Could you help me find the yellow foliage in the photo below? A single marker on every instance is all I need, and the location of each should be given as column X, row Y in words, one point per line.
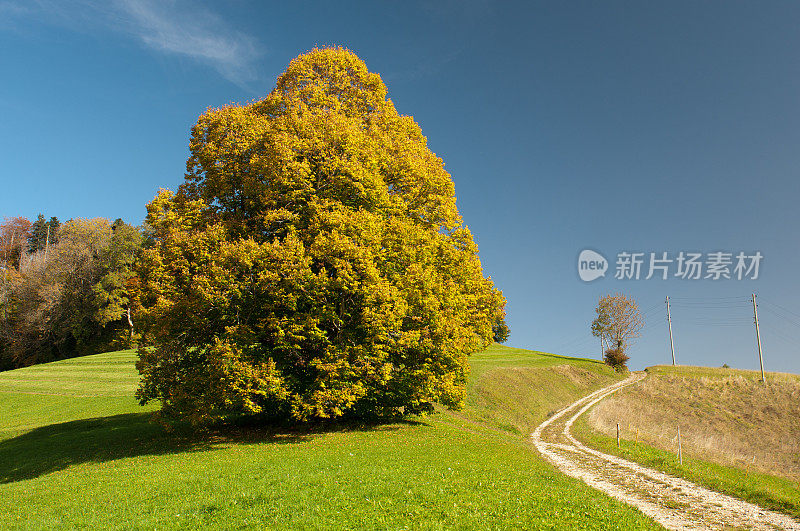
column 313, row 264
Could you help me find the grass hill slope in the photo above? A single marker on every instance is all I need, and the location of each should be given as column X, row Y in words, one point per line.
column 76, row 450
column 738, row 436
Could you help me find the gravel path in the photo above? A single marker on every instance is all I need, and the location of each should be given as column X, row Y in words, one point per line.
column 672, row 502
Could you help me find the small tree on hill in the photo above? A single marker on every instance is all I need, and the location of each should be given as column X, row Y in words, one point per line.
column 618, row 323
column 501, row 331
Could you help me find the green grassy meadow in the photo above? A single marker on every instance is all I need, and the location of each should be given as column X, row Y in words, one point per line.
column 76, row 450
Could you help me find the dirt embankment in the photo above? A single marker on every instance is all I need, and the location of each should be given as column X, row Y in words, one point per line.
column 672, row 502
column 725, row 416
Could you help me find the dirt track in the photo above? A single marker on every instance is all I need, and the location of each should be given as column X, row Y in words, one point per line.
column 672, row 502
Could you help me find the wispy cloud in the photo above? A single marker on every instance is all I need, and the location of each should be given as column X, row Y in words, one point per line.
column 201, row 35
column 171, row 27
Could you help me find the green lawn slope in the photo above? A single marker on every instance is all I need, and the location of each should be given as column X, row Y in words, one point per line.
column 76, row 450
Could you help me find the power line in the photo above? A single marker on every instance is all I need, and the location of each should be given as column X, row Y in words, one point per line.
column 787, row 319
column 781, row 308
column 575, row 341
column 737, row 297
column 709, row 306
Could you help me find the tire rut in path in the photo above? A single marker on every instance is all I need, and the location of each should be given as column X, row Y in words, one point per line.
column 672, row 502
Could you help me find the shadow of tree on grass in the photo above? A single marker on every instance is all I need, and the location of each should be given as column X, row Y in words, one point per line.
column 58, row 446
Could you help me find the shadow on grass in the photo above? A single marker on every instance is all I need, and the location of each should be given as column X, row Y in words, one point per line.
column 58, row 446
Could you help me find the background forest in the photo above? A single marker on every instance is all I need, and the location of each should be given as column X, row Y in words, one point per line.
column 64, row 288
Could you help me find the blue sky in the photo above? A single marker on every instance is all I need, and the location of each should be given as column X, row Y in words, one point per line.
column 614, row 126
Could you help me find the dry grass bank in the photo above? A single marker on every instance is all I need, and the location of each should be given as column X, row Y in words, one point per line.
column 726, row 416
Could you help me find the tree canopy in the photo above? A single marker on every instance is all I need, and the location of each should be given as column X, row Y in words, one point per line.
column 618, row 323
column 313, row 264
column 14, row 234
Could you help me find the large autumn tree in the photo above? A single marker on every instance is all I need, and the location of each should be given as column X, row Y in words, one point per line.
column 313, row 264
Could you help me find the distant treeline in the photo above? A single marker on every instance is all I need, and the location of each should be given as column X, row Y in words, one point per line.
column 65, row 288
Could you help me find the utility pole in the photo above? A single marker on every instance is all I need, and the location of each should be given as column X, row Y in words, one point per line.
column 669, row 324
column 758, row 338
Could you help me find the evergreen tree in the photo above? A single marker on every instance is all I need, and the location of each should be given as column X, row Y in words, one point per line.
column 38, row 237
column 54, row 225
